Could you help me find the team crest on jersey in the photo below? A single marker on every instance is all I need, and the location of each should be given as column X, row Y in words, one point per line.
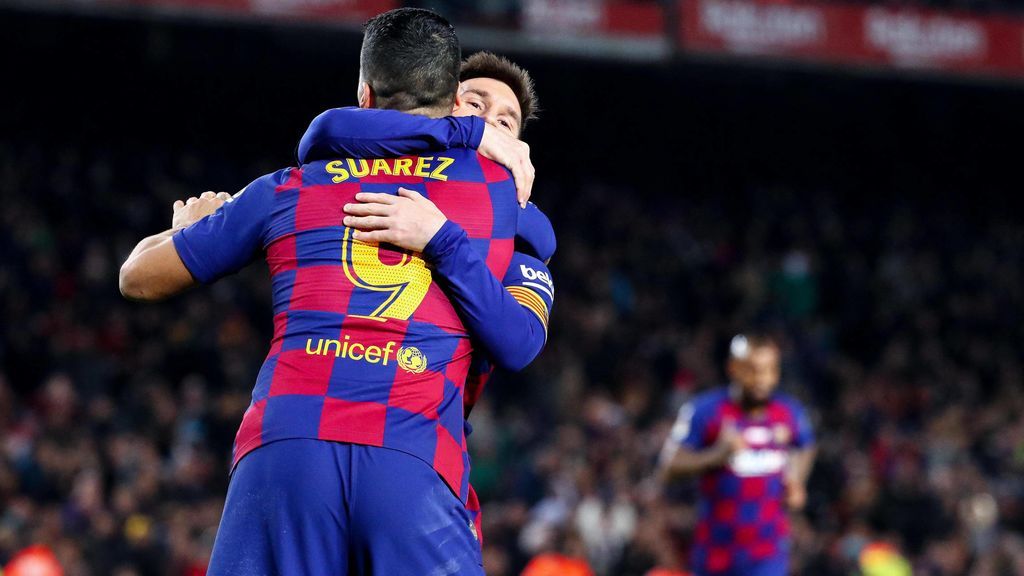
column 782, row 434
column 411, row 359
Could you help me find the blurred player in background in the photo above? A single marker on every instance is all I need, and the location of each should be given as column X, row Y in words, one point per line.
column 752, row 449
column 363, row 382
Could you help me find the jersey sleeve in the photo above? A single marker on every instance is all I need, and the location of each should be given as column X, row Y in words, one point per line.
column 803, row 435
column 510, row 331
column 372, row 133
column 691, row 424
column 530, row 283
column 225, row 241
column 534, row 233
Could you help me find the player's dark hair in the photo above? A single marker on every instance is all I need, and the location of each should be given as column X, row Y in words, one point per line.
column 411, row 57
column 488, row 65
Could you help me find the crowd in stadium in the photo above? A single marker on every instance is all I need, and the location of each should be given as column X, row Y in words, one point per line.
column 898, row 330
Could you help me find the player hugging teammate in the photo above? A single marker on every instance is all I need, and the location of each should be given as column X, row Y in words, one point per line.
column 400, row 273
column 405, row 264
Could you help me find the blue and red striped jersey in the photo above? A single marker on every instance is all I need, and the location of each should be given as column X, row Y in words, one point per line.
column 367, row 347
column 741, row 510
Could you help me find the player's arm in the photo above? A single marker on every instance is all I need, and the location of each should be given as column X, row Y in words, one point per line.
column 154, row 271
column 374, row 133
column 687, row 454
column 508, row 318
column 801, row 459
column 534, row 237
column 209, row 238
column 510, row 324
column 534, row 234
column 798, row 469
column 800, row 463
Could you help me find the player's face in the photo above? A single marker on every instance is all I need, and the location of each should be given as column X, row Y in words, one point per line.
column 491, row 100
column 758, row 374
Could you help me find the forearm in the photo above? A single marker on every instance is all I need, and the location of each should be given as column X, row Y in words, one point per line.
column 510, row 334
column 800, row 464
column 148, row 243
column 359, row 133
column 153, row 271
column 687, row 462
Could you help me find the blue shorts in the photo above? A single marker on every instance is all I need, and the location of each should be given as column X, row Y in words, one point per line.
column 312, row 507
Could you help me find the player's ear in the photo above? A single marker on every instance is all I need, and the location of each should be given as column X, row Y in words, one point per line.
column 458, row 101
column 365, row 95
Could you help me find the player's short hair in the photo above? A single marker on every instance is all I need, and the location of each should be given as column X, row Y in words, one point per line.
column 741, row 344
column 489, row 65
column 411, row 58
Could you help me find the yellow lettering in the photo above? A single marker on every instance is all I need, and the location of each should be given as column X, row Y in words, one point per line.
column 337, row 348
column 335, row 168
column 352, row 351
column 319, row 345
column 373, row 354
column 345, row 348
column 403, row 167
column 380, row 166
column 362, row 170
column 438, row 173
column 406, row 281
column 423, row 167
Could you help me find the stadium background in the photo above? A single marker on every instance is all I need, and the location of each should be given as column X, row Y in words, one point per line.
column 866, row 215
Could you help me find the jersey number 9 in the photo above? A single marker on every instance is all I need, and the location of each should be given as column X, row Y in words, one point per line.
column 406, row 281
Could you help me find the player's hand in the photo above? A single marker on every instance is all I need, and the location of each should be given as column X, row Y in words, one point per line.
column 513, row 154
column 729, row 441
column 188, row 212
column 796, row 495
column 408, row 220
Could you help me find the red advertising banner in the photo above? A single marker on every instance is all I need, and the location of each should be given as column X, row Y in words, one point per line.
column 611, row 18
column 919, row 39
column 636, row 18
column 327, row 10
